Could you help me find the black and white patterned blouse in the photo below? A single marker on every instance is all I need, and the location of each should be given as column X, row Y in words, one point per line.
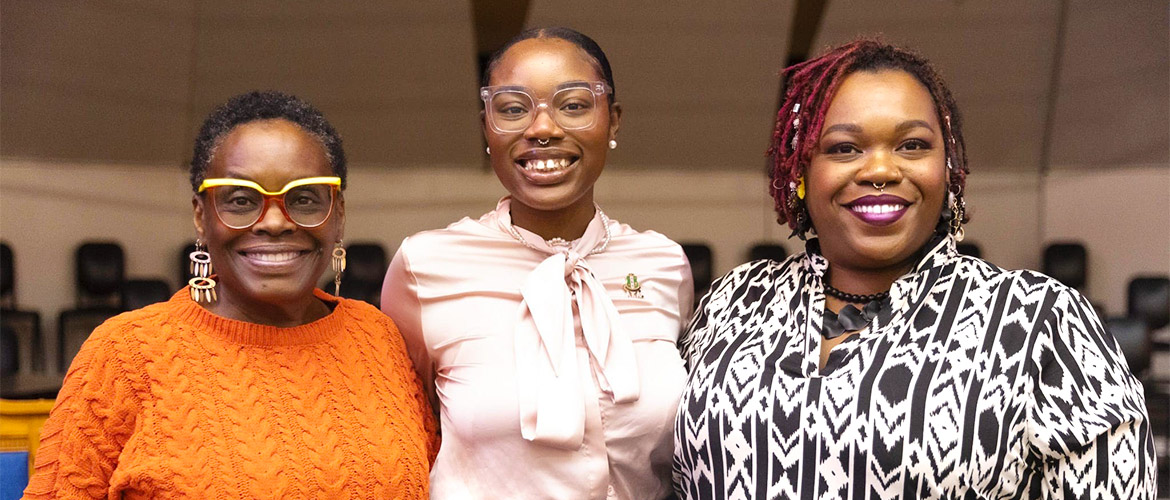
column 976, row 383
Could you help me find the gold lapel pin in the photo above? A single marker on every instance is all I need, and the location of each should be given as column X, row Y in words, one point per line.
column 632, row 287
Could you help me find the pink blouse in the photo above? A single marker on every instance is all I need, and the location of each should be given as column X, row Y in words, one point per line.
column 554, row 367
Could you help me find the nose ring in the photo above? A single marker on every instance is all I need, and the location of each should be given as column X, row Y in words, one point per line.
column 542, row 142
column 880, row 187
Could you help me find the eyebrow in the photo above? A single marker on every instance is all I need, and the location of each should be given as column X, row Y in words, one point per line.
column 561, row 86
column 909, row 124
column 856, row 129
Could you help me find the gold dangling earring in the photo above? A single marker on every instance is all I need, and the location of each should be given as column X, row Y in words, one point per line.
column 338, row 265
column 958, row 211
column 202, row 286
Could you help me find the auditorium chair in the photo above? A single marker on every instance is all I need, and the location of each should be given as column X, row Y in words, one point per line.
column 970, row 248
column 139, row 293
column 1068, row 263
column 1148, row 299
column 7, row 280
column 185, row 264
column 1133, row 336
column 702, row 266
column 101, row 273
column 771, row 251
column 101, row 270
column 365, row 269
column 23, row 351
column 22, row 328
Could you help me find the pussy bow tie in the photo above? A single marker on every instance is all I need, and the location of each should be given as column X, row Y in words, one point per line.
column 548, row 362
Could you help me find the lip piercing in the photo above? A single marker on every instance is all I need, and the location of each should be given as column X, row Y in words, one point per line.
column 542, row 142
column 880, row 187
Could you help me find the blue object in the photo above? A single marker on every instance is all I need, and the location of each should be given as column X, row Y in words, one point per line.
column 13, row 474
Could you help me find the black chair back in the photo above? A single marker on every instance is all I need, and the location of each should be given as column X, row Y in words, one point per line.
column 101, row 270
column 1068, row 263
column 138, row 293
column 9, row 360
column 185, row 264
column 1134, row 338
column 73, row 327
column 365, row 269
column 702, row 266
column 771, row 251
column 970, row 248
column 23, row 329
column 1148, row 299
column 7, row 280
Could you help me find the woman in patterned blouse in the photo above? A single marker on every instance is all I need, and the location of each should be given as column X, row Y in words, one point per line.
column 880, row 363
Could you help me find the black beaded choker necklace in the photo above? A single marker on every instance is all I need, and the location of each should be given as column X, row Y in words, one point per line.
column 853, row 298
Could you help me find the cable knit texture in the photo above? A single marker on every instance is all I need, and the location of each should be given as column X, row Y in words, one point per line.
column 171, row 401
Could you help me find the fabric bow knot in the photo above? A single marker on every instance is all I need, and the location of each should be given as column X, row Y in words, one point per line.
column 549, row 364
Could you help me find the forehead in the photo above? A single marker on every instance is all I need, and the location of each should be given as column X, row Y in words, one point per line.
column 543, row 63
column 882, row 93
column 269, row 152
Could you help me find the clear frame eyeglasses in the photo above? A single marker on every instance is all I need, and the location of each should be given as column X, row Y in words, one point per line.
column 574, row 105
column 241, row 203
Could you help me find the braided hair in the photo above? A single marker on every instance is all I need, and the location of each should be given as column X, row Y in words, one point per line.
column 811, row 87
column 581, row 40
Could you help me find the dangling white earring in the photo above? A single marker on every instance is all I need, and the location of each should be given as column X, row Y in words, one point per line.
column 488, row 150
column 202, row 286
column 338, row 265
column 612, row 144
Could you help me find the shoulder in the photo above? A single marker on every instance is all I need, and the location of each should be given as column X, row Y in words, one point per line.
column 360, row 314
column 1028, row 300
column 762, row 272
column 1020, row 281
column 752, row 287
column 464, row 234
column 627, row 239
column 128, row 337
column 621, row 230
column 458, row 229
column 140, row 324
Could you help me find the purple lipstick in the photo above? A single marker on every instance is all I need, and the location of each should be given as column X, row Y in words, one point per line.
column 881, row 210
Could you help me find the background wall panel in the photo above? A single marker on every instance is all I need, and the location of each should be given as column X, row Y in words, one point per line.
column 95, row 80
column 99, row 102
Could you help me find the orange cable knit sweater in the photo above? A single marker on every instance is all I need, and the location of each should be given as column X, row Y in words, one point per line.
column 171, row 401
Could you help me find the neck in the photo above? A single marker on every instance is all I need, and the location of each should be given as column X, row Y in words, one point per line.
column 864, row 282
column 283, row 314
column 568, row 223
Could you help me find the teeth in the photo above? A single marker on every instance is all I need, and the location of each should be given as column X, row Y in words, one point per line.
column 546, row 165
column 877, row 209
column 274, row 257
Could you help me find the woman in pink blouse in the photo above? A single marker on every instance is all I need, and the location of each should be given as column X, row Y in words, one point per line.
column 545, row 331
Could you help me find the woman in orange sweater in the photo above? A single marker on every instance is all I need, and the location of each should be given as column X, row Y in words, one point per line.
column 250, row 383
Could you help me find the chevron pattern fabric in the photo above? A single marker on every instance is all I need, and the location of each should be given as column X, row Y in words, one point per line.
column 978, row 383
column 171, row 401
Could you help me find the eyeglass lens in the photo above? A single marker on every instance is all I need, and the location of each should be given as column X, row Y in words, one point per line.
column 571, row 108
column 239, row 206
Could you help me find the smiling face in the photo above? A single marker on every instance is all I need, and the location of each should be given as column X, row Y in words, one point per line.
column 557, row 177
column 881, row 130
column 274, row 262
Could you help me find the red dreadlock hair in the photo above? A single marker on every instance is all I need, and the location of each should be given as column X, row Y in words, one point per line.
column 811, row 87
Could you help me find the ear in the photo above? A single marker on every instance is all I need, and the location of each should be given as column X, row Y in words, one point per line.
column 197, row 206
column 483, row 125
column 615, row 119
